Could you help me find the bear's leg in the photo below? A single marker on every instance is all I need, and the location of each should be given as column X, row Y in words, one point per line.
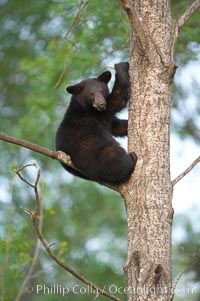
column 75, row 172
column 100, row 158
column 114, row 165
column 119, row 127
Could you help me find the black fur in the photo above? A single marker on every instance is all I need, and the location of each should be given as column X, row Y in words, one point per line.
column 89, row 124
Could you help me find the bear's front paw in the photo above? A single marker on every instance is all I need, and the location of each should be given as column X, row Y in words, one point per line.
column 133, row 156
column 122, row 67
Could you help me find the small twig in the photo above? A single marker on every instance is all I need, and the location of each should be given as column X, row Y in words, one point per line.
column 18, row 172
column 53, row 243
column 76, row 20
column 183, row 174
column 175, row 285
column 34, row 217
column 60, row 77
column 73, row 45
column 36, row 275
column 110, row 66
column 27, row 211
column 23, row 179
column 56, row 155
column 186, row 16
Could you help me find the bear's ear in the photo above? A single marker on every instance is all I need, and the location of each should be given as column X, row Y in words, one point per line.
column 104, row 77
column 75, row 89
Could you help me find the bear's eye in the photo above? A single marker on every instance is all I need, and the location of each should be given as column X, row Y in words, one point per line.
column 91, row 97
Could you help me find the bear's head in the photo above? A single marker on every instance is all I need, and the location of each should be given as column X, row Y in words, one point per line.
column 92, row 92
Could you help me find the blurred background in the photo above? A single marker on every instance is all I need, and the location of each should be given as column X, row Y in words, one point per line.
column 45, row 46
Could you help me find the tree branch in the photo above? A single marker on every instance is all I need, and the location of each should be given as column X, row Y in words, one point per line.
column 31, row 146
column 139, row 32
column 56, row 155
column 37, row 242
column 186, row 16
column 183, row 174
column 35, row 216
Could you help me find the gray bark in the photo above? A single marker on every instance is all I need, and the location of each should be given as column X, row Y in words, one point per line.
column 148, row 194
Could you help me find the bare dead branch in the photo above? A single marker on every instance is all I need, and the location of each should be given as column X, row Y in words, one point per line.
column 77, row 19
column 134, row 19
column 35, row 216
column 186, row 16
column 71, row 49
column 75, row 23
column 175, row 285
column 37, row 242
column 56, row 155
column 183, row 174
column 60, row 76
column 22, row 177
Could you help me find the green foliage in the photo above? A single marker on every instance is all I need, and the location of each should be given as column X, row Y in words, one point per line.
column 186, row 107
column 189, row 35
column 15, row 251
column 95, row 249
column 186, row 257
column 44, row 46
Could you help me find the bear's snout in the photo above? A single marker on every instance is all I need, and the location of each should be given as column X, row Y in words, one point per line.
column 99, row 102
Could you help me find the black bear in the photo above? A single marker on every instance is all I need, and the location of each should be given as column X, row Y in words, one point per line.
column 89, row 124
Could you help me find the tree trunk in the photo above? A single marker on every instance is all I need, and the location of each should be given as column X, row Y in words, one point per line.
column 148, row 194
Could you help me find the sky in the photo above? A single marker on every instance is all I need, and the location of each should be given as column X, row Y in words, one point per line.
column 186, row 194
column 184, row 152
